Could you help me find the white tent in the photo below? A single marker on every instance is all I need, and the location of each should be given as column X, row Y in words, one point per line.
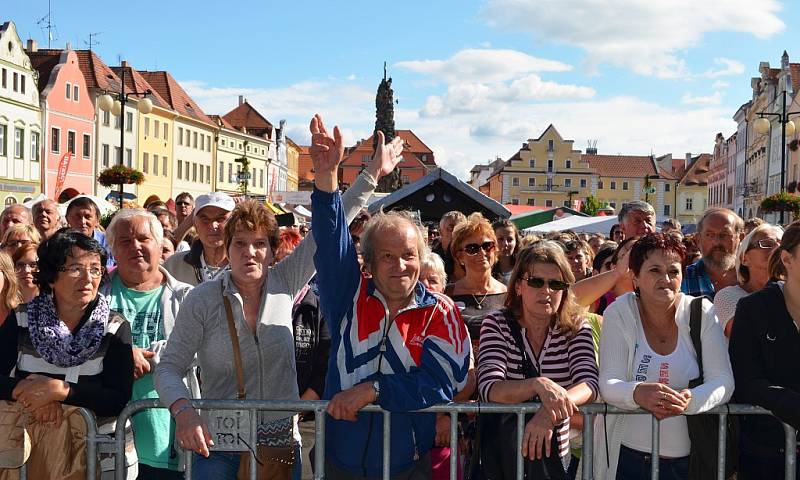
column 576, row 224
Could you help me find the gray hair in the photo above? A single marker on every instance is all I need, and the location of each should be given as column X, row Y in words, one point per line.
column 377, row 226
column 126, row 215
column 433, row 262
column 635, row 206
column 742, row 272
column 738, row 223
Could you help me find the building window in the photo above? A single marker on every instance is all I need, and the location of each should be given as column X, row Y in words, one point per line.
column 568, row 182
column 208, row 174
column 230, row 172
column 202, row 142
column 69, row 90
column 117, row 156
column 666, row 187
column 548, row 203
column 515, row 182
column 624, row 185
column 22, row 84
column 613, row 185
column 10, row 200
column 666, row 211
column 156, row 128
column 146, row 126
column 689, row 205
column 71, row 142
column 583, row 183
column 106, row 118
column 532, row 163
column 531, row 202
column 613, row 204
column 128, row 121
column 180, row 136
column 105, row 155
column 220, row 172
column 55, row 140
column 208, row 144
column 164, row 162
column 550, row 148
column 87, row 141
column 34, row 146
column 166, row 132
column 531, row 181
column 515, row 201
column 5, row 78
column 600, row 185
column 3, row 136
column 75, row 97
column 201, row 174
column 194, row 139
column 549, row 165
column 569, row 163
column 146, row 162
column 19, row 137
column 129, row 157
column 155, row 164
column 180, row 170
column 194, row 172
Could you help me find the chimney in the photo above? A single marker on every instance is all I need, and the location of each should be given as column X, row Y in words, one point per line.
column 124, row 64
column 68, row 47
column 32, row 46
column 241, row 99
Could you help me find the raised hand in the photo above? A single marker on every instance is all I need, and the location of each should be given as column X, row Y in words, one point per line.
column 386, row 157
column 327, row 152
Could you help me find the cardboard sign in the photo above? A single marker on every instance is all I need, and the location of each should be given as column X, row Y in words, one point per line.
column 230, row 430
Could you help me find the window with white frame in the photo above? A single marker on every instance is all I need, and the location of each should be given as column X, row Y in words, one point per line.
column 146, row 162
column 166, row 132
column 666, row 211
column 22, row 84
column 128, row 121
column 220, row 172
column 71, row 142
column 531, row 201
column 569, row 163
column 129, row 157
column 35, row 148
column 180, row 170
column 194, row 172
column 515, row 182
column 208, row 174
column 87, row 145
column 106, row 118
column 156, row 128
column 105, row 155
column 155, row 164
column 3, row 137
column 624, row 185
column 180, row 136
column 68, row 91
column 164, row 162
column 689, row 203
column 16, row 81
column 194, row 139
column 75, row 97
column 55, row 140
column 532, row 163
column 515, row 201
column 146, row 126
column 613, row 185
column 202, row 142
column 19, row 137
column 531, row 181
column 548, row 203
column 567, row 182
column 583, row 183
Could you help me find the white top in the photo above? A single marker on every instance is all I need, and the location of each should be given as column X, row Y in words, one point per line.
column 674, row 370
column 725, row 303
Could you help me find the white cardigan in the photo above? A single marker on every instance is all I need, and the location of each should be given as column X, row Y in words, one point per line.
column 616, row 371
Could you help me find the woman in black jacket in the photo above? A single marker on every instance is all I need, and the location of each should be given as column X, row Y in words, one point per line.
column 764, row 350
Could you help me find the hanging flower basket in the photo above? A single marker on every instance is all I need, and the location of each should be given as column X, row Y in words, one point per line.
column 781, row 202
column 120, row 174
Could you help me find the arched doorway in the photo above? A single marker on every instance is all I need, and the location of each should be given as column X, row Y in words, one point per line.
column 10, row 200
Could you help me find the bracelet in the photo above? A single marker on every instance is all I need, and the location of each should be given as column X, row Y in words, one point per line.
column 181, row 410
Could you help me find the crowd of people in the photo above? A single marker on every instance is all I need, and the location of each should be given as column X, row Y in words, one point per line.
column 215, row 300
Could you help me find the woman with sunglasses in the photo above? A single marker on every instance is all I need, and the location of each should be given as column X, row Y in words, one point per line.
column 752, row 271
column 26, row 267
column 647, row 360
column 474, row 248
column 538, row 348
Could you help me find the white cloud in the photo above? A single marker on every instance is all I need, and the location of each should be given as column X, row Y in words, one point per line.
column 713, row 99
column 483, row 65
column 720, row 85
column 729, row 67
column 646, row 37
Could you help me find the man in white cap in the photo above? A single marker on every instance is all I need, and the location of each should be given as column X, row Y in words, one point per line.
column 206, row 258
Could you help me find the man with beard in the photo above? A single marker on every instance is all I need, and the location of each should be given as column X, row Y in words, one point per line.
column 718, row 235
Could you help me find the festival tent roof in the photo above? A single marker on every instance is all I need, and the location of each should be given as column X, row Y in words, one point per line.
column 576, row 224
column 533, row 218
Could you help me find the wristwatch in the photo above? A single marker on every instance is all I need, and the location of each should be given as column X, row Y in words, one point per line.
column 376, row 385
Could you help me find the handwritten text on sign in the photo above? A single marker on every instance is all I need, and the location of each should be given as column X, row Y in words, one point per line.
column 230, row 430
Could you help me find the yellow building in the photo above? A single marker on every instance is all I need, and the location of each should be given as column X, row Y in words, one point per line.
column 693, row 189
column 293, row 162
column 232, row 146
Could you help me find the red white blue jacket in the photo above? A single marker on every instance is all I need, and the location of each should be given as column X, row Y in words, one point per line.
column 425, row 361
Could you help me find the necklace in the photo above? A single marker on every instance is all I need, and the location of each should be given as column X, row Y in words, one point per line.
column 479, row 303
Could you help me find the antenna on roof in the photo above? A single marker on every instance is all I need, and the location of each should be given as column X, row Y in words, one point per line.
column 46, row 23
column 92, row 40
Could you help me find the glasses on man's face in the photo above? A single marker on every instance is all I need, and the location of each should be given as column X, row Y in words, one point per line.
column 75, row 271
column 536, row 282
column 474, row 248
column 22, row 266
column 183, row 204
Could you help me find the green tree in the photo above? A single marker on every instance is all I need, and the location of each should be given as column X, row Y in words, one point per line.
column 591, row 205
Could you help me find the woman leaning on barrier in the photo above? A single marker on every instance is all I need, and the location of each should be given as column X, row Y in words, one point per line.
column 65, row 348
column 647, row 360
column 764, row 348
column 260, row 298
column 537, row 347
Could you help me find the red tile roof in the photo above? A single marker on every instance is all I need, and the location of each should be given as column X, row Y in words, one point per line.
column 245, row 116
column 413, row 145
column 697, row 173
column 632, row 166
column 794, row 69
column 44, row 61
column 177, row 98
column 96, row 73
column 136, row 83
column 221, row 122
column 305, row 168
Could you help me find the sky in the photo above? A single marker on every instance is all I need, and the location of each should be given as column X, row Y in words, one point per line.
column 473, row 79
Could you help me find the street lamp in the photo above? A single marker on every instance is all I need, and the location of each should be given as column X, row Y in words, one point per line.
column 244, row 175
column 763, row 126
column 107, row 103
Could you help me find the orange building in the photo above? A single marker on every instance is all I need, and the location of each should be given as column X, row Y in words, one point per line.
column 417, row 161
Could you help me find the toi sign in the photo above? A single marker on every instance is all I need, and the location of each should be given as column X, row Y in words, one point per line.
column 230, row 430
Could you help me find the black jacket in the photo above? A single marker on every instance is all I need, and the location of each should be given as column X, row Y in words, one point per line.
column 312, row 344
column 765, row 354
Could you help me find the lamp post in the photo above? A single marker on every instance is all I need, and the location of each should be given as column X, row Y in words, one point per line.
column 648, row 189
column 107, row 103
column 244, row 175
column 764, row 126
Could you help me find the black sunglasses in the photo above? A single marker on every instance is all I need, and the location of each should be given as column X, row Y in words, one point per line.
column 474, row 248
column 536, row 282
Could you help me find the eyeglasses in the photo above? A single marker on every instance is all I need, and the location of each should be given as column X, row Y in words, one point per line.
column 17, row 243
column 474, row 248
column 22, row 266
column 76, row 271
column 765, row 243
column 536, row 282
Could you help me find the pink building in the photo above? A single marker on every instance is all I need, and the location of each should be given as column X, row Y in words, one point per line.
column 68, row 123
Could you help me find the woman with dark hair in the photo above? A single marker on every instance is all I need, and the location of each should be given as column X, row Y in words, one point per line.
column 763, row 347
column 67, row 348
column 647, row 360
column 26, row 265
column 509, row 242
column 615, row 234
column 540, row 328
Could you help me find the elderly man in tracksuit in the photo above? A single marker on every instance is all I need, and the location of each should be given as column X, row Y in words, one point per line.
column 393, row 342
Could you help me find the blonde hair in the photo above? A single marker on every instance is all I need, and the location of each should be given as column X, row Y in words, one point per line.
column 22, row 228
column 567, row 316
column 433, row 262
column 742, row 272
column 10, row 293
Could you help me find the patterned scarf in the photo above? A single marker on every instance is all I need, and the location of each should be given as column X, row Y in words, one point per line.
column 53, row 340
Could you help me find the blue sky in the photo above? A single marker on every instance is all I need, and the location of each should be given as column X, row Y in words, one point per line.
column 473, row 79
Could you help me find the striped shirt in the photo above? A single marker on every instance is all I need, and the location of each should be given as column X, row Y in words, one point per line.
column 566, row 361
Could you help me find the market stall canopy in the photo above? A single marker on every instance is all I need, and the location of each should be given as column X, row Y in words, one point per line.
column 438, row 193
column 577, row 224
column 531, row 219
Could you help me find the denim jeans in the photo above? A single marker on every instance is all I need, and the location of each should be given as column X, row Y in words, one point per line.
column 635, row 465
column 218, row 466
column 297, row 472
column 753, row 466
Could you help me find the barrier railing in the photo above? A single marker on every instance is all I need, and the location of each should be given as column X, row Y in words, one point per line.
column 453, row 409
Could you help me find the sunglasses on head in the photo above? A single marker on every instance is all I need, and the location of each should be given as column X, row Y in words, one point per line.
column 474, row 248
column 536, row 282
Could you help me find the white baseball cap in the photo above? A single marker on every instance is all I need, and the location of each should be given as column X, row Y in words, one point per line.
column 214, row 199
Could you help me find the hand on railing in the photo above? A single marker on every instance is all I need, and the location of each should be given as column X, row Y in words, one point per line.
column 554, row 398
column 346, row 404
column 191, row 431
column 660, row 400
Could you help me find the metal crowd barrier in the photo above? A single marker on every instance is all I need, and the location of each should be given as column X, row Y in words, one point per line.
column 453, row 409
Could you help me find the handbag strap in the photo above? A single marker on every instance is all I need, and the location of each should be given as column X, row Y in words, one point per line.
column 528, row 368
column 695, row 320
column 237, row 354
